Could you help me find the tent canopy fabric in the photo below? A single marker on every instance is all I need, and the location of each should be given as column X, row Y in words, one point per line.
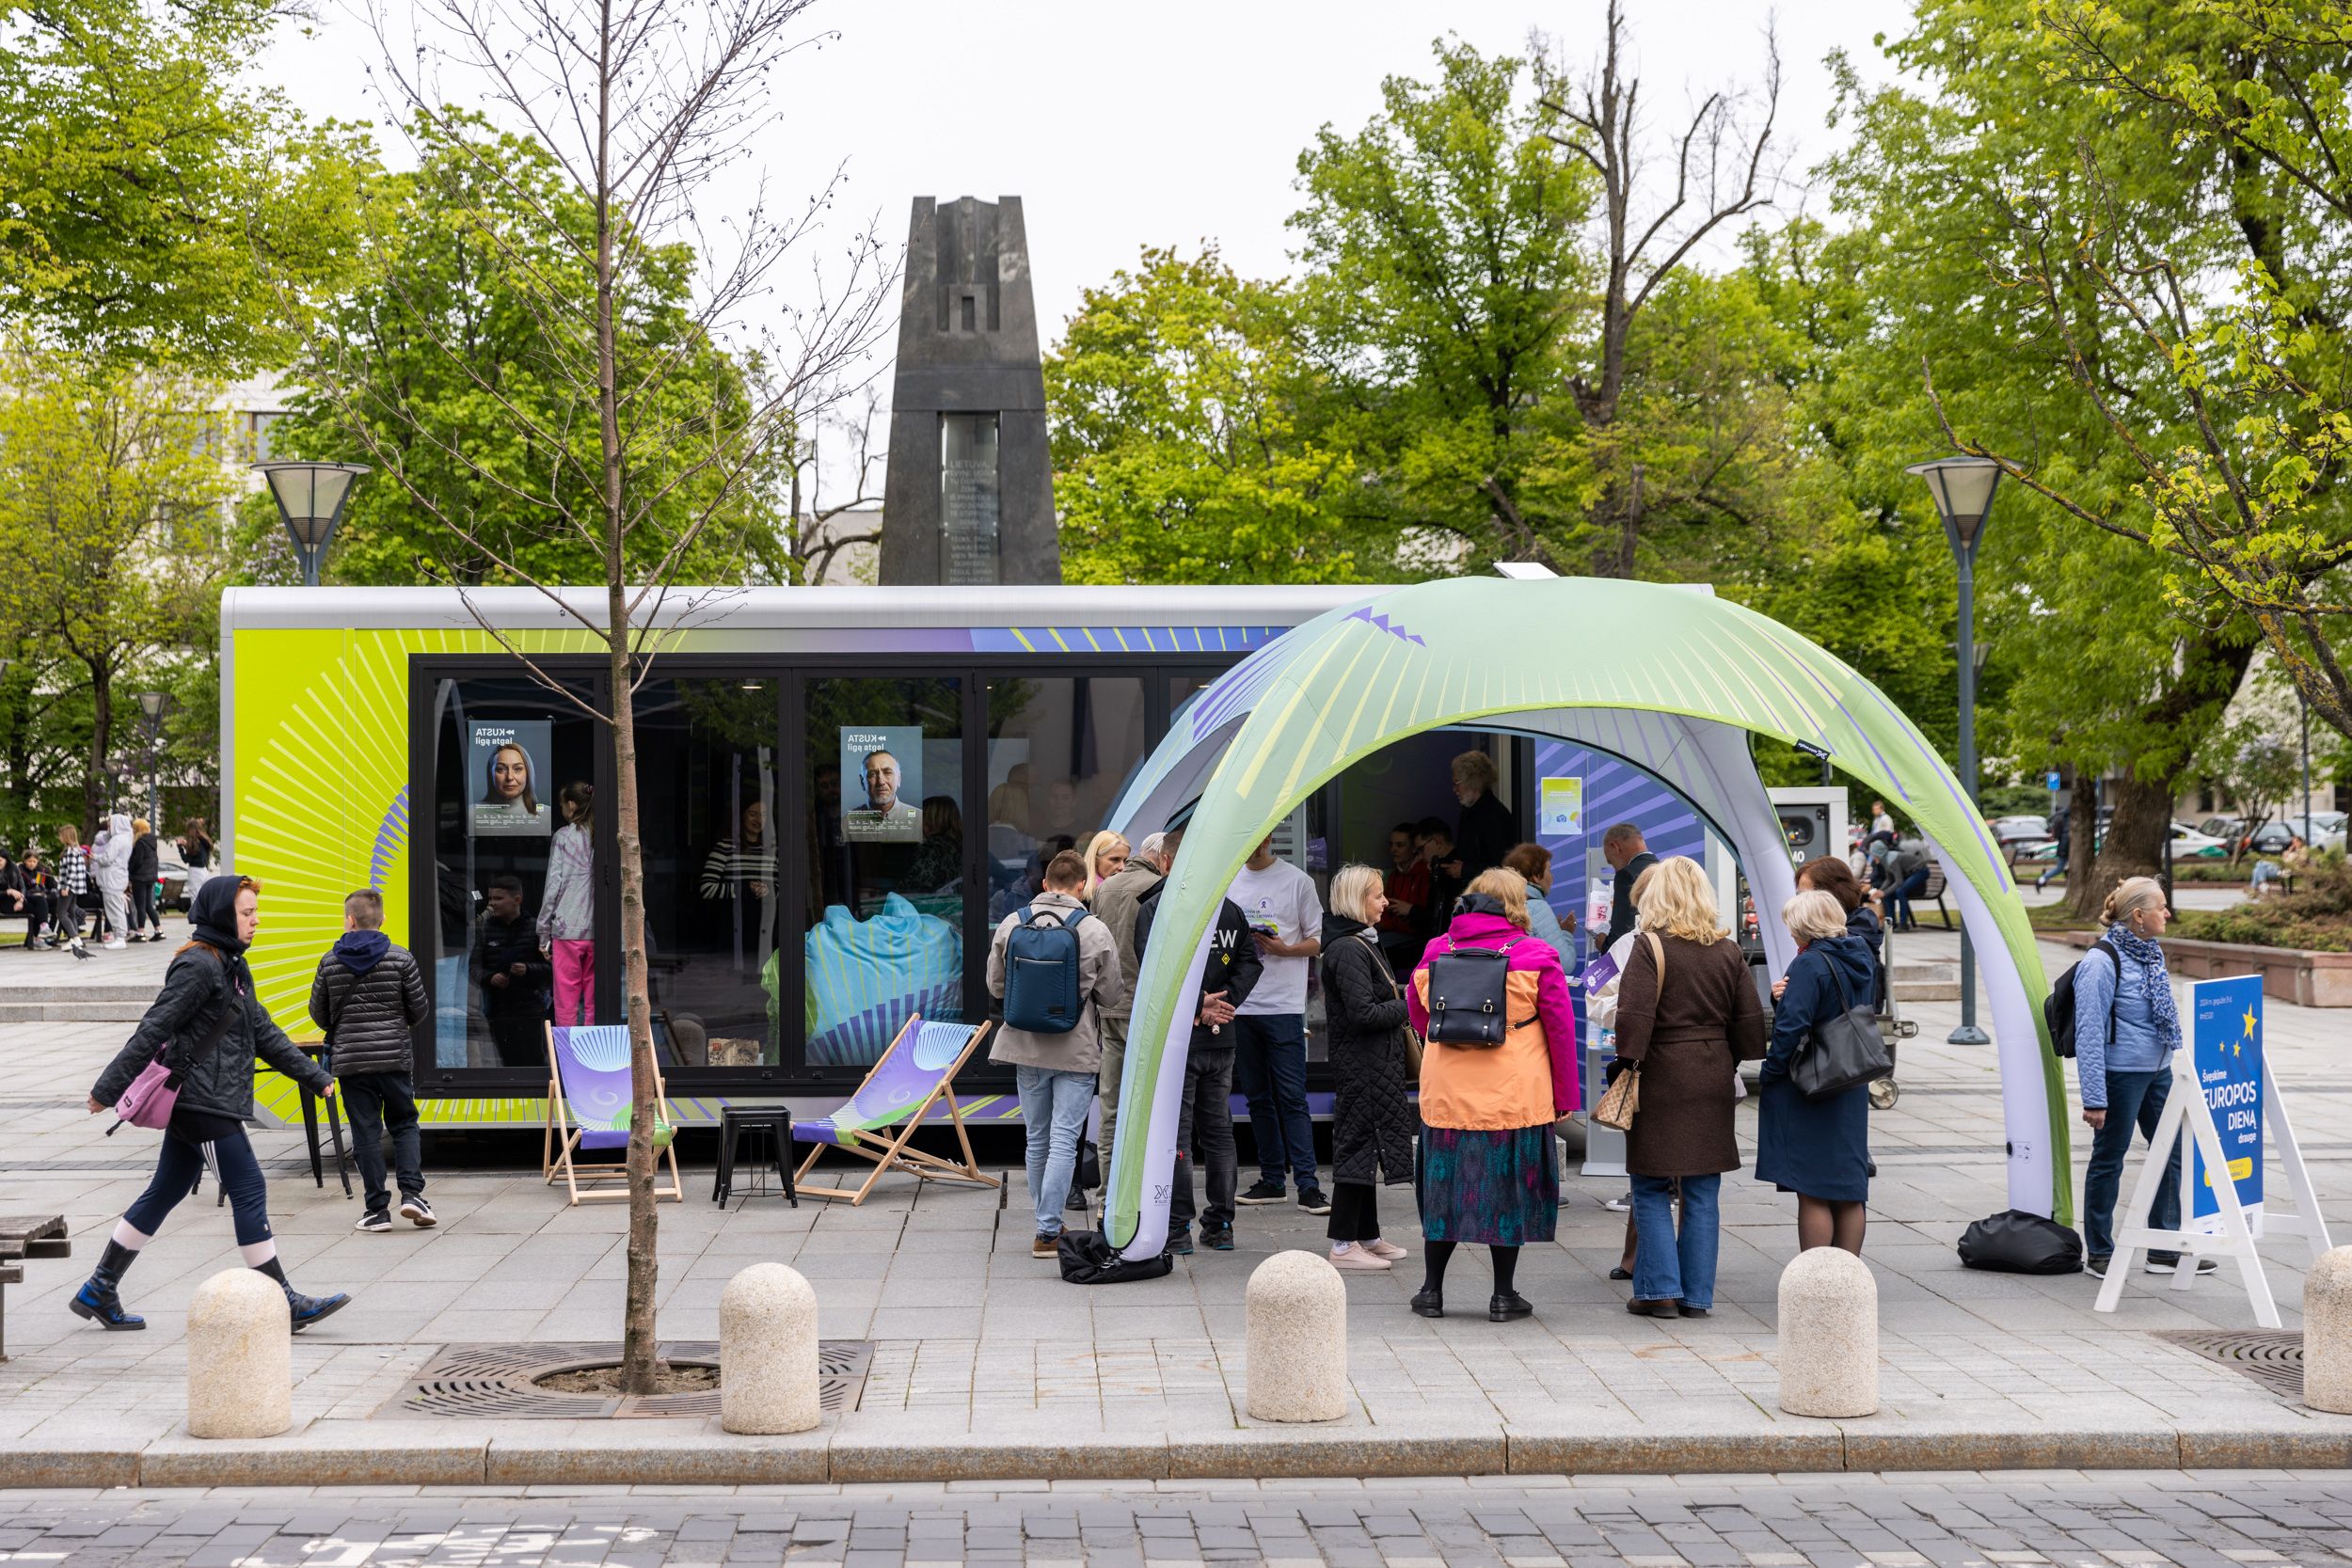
column 1672, row 679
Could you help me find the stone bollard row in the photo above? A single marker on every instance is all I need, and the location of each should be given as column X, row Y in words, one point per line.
column 1829, row 1334
column 1297, row 1340
column 2328, row 1333
column 240, row 1358
column 768, row 1372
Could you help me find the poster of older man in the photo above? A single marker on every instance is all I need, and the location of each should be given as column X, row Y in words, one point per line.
column 883, row 767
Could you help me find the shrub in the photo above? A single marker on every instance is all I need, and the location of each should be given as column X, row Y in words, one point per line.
column 2316, row 916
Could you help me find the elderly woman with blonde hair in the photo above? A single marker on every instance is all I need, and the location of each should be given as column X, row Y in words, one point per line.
column 1371, row 1122
column 1819, row 1150
column 1688, row 1014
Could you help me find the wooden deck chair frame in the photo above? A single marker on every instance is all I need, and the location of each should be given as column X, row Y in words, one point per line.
column 594, row 1183
column 894, row 1154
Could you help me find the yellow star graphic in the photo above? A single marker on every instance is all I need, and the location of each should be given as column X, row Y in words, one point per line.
column 2249, row 1024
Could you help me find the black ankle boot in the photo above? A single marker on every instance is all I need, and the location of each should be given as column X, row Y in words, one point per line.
column 305, row 1311
column 99, row 1299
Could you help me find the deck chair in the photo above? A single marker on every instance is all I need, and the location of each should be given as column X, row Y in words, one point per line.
column 588, row 1105
column 917, row 1071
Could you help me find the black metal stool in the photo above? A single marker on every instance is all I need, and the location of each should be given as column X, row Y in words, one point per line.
column 735, row 1122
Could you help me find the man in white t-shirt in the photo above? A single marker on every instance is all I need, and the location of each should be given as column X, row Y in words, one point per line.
column 1278, row 902
column 1881, row 820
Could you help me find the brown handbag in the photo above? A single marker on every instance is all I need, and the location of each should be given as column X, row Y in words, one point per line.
column 1624, row 1096
column 1412, row 1040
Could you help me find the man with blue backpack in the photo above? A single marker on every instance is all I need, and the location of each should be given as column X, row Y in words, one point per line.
column 1055, row 967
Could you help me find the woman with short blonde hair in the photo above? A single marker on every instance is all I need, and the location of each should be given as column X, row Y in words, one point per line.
column 1506, row 887
column 1688, row 1014
column 1351, row 889
column 1372, row 1121
column 1678, row 902
column 1812, row 915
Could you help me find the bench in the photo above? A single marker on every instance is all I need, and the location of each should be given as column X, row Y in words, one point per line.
column 22, row 1237
column 1934, row 891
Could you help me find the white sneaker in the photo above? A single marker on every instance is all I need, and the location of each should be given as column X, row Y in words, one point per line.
column 1620, row 1205
column 1350, row 1256
column 1389, row 1250
column 114, row 944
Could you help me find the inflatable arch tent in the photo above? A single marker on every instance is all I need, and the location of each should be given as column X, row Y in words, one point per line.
column 1671, row 679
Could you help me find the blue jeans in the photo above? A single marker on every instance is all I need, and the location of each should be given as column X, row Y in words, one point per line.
column 1910, row 887
column 1667, row 1267
column 2134, row 1099
column 1270, row 1069
column 1053, row 1115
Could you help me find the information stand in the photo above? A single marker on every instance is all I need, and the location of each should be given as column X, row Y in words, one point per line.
column 2224, row 1069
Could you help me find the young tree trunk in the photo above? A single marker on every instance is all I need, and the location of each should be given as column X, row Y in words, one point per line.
column 641, row 1363
column 101, row 736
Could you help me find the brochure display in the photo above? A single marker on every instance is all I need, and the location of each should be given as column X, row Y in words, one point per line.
column 2227, row 1107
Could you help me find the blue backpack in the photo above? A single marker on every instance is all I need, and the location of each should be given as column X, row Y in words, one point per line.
column 1042, row 971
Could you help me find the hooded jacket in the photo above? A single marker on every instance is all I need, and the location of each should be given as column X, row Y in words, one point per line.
column 145, row 860
column 1815, row 995
column 1529, row 1079
column 1234, row 965
column 207, row 984
column 369, row 998
column 114, row 859
column 1080, row 1049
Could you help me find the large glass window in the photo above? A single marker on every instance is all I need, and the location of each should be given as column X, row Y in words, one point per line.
column 708, row 812
column 1059, row 749
column 510, row 761
column 885, row 897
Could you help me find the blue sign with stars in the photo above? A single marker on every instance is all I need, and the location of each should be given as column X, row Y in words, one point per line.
column 2228, row 1042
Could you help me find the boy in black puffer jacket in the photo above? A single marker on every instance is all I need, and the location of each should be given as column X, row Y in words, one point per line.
column 369, row 996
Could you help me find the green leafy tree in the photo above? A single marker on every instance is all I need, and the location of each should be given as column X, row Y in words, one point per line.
column 1445, row 271
column 148, row 190
column 455, row 364
column 112, row 501
column 1184, row 440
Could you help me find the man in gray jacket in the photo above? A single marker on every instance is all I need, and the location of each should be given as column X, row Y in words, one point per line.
column 369, row 996
column 1115, row 903
column 1055, row 1073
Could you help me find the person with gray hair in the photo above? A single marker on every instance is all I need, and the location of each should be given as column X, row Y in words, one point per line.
column 1628, row 855
column 1371, row 1124
column 1818, row 1149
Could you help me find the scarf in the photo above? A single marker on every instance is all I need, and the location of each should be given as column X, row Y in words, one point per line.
column 2162, row 1009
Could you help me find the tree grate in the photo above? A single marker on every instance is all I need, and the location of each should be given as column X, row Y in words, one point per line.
column 2272, row 1357
column 497, row 1382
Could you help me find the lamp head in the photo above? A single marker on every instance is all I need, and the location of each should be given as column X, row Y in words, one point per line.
column 1962, row 489
column 153, row 703
column 310, row 498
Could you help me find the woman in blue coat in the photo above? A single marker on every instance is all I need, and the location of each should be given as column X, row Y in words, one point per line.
column 1818, row 1149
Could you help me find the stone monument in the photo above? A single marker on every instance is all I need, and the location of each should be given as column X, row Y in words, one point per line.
column 969, row 494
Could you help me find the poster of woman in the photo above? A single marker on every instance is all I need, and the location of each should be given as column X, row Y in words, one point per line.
column 509, row 756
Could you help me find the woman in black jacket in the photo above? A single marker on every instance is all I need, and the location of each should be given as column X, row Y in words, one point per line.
column 208, row 1027
column 1371, row 1126
column 145, row 863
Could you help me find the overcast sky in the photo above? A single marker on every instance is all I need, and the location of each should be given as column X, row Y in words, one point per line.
column 1122, row 126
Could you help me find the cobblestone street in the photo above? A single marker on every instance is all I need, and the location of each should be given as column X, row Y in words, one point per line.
column 2223, row 1519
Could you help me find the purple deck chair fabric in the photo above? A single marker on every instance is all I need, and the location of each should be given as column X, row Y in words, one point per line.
column 901, row 1081
column 592, row 1064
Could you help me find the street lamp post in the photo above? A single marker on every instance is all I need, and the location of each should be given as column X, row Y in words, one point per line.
column 1963, row 488
column 311, row 499
column 151, row 705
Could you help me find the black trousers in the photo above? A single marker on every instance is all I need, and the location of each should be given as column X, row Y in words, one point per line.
column 377, row 1103
column 1206, row 1121
column 143, row 906
column 1355, row 1211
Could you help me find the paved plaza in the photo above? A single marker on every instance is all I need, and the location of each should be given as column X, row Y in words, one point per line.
column 2203, row 1520
column 985, row 1364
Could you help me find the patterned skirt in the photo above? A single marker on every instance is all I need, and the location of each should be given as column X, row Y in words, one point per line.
column 1497, row 1189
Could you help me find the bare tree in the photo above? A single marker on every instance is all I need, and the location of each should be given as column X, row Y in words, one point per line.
column 1724, row 166
column 823, row 531
column 653, row 436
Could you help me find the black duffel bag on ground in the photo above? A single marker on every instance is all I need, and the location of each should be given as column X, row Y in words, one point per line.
column 2015, row 1242
column 1088, row 1258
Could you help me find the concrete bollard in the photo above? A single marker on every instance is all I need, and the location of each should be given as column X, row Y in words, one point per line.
column 1298, row 1315
column 1829, row 1334
column 768, row 1352
column 2328, row 1333
column 240, row 1358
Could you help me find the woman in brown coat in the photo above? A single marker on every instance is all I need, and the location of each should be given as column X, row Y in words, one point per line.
column 1684, row 1033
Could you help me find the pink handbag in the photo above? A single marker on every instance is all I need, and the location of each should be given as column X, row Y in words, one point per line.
column 149, row 1101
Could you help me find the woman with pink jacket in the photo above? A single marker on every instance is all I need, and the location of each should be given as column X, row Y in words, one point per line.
column 1488, row 1169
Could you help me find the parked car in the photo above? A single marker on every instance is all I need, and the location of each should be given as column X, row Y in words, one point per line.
column 2020, row 830
column 2223, row 828
column 2187, row 845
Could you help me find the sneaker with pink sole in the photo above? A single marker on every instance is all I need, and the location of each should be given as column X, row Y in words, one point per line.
column 1355, row 1258
column 1389, row 1250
